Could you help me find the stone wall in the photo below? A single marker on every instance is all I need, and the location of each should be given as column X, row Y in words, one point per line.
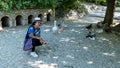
column 20, row 17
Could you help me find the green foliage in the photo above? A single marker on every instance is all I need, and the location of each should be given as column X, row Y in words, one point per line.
column 118, row 3
column 48, row 3
column 105, row 3
column 7, row 5
column 95, row 1
column 4, row 6
column 67, row 5
column 101, row 2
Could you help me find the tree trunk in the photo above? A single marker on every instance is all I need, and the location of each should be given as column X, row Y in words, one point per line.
column 108, row 20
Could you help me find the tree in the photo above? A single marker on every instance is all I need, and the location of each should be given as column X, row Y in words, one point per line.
column 65, row 6
column 108, row 20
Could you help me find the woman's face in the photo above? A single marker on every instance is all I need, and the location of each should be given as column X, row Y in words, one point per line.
column 37, row 24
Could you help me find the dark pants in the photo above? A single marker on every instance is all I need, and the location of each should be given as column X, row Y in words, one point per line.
column 35, row 42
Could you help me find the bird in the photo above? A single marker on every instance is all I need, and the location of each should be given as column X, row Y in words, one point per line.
column 61, row 26
column 89, row 27
column 55, row 28
column 91, row 36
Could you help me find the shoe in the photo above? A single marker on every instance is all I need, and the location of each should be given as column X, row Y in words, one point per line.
column 33, row 54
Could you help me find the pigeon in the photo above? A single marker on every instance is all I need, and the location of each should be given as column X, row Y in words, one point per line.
column 61, row 25
column 89, row 27
column 91, row 36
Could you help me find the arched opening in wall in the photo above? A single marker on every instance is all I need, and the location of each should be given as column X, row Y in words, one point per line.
column 19, row 20
column 49, row 16
column 30, row 19
column 41, row 16
column 5, row 21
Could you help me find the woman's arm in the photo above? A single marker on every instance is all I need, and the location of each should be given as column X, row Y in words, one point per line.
column 32, row 35
column 42, row 41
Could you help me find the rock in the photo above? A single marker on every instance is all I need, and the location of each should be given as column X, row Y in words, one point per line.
column 116, row 28
column 99, row 25
column 107, row 29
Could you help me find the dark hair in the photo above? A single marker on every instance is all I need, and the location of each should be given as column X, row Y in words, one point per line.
column 33, row 23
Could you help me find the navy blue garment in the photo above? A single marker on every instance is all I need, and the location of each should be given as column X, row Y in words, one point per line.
column 31, row 29
column 36, row 32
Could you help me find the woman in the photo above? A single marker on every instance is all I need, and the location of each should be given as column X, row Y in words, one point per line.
column 33, row 33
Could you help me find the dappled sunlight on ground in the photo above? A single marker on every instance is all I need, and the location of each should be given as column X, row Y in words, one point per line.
column 109, row 54
column 119, row 62
column 68, row 49
column 67, row 39
column 69, row 56
column 46, row 30
column 85, row 48
column 90, row 62
column 41, row 64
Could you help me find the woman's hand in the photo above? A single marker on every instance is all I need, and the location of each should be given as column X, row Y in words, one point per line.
column 37, row 37
column 42, row 41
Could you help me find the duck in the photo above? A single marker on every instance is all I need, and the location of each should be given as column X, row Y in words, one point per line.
column 55, row 28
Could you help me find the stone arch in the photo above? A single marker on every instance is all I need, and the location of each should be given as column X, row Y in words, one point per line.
column 19, row 20
column 40, row 16
column 49, row 16
column 5, row 21
column 30, row 19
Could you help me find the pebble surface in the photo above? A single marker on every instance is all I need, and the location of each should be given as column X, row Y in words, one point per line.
column 68, row 49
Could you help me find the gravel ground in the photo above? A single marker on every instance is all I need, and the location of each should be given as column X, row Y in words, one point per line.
column 69, row 49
